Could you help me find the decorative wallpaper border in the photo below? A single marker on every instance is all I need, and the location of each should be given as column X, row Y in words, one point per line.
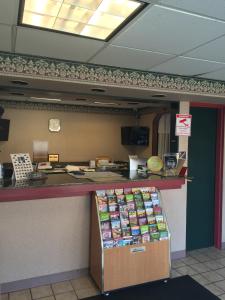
column 60, row 70
column 65, row 107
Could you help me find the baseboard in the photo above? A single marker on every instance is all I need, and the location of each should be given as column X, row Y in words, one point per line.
column 42, row 280
column 53, row 278
column 178, row 254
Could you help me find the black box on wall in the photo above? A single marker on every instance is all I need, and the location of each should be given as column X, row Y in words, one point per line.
column 4, row 129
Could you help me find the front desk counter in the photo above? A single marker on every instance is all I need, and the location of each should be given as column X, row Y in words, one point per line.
column 31, row 230
column 65, row 185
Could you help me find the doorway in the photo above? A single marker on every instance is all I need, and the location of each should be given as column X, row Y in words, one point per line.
column 204, row 193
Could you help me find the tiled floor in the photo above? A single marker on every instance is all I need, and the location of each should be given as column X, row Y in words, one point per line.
column 207, row 266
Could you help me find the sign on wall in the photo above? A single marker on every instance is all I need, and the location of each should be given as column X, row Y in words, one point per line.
column 183, row 124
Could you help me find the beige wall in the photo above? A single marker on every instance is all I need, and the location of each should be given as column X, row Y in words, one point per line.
column 83, row 136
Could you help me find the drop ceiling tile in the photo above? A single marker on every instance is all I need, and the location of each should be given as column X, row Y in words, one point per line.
column 187, row 66
column 55, row 45
column 209, row 8
column 9, row 11
column 129, row 58
column 5, row 38
column 169, row 31
column 217, row 75
column 210, row 51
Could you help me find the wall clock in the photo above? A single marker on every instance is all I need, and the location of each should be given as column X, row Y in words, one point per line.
column 54, row 125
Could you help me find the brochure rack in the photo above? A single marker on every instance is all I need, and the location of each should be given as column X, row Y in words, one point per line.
column 130, row 240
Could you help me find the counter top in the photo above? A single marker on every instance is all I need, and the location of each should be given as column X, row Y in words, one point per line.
column 65, row 185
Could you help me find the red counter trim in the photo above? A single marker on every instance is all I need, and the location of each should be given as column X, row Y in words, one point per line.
column 20, row 194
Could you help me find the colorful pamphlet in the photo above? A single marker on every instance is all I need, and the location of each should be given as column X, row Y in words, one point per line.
column 115, row 224
column 138, row 197
column 146, row 196
column 129, row 197
column 159, row 219
column 153, row 228
column 108, row 244
column 103, row 207
column 145, row 238
column 104, row 216
column 155, row 202
column 113, row 207
column 154, row 196
column 144, row 229
column 119, row 192
column 124, row 222
column 126, row 231
column 157, row 210
column 121, row 199
column 118, row 242
column 102, row 200
column 127, row 191
column 137, row 239
column 142, row 221
column 105, row 225
column 149, row 211
column 154, row 236
column 131, row 206
column 110, row 192
column 135, row 190
column 139, row 204
column 161, row 226
column 128, row 240
column 141, row 212
column 148, row 204
column 114, row 215
column 116, row 233
column 106, row 234
column 135, row 230
column 112, row 199
column 151, row 219
column 163, row 235
column 100, row 193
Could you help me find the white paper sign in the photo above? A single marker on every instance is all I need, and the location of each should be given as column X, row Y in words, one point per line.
column 183, row 124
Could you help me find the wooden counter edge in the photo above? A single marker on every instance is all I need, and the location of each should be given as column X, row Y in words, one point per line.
column 60, row 191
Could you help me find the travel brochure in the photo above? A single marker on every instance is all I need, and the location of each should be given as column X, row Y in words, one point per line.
column 130, row 216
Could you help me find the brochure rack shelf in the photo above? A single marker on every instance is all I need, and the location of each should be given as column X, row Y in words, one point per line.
column 130, row 240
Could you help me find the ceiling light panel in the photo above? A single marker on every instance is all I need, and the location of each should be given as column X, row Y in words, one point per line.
column 91, row 18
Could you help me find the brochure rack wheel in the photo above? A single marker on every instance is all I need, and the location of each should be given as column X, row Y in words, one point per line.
column 119, row 267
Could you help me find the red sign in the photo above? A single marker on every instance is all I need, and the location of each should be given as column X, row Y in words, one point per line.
column 183, row 124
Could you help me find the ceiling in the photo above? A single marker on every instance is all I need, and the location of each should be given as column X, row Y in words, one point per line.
column 182, row 37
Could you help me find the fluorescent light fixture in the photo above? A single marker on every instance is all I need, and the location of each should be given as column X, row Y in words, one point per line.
column 106, row 103
column 91, row 18
column 45, row 99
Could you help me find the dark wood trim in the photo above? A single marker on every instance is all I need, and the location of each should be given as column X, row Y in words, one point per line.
column 206, row 105
column 155, row 133
column 219, row 178
column 21, row 194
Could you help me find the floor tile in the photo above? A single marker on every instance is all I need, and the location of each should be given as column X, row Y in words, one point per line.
column 89, row 292
column 213, row 265
column 177, row 263
column 186, row 270
column 221, row 272
column 66, row 296
column 48, row 298
column 221, row 261
column 200, row 279
column 175, row 274
column 82, row 283
column 220, row 284
column 200, row 268
column 214, row 289
column 190, row 260
column 20, row 295
column 62, row 287
column 201, row 257
column 41, row 292
column 212, row 276
column 4, row 296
